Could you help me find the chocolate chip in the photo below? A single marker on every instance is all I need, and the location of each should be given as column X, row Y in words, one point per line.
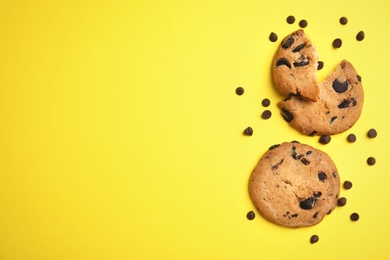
column 294, row 215
column 283, row 61
column 330, row 211
column 317, row 195
column 332, row 119
column 295, row 142
column 305, row 161
column 273, row 37
column 314, row 239
column 343, row 20
column 347, row 102
column 313, row 133
column 340, row 87
column 290, row 19
column 287, row 115
column 248, row 131
column 299, row 47
column 266, row 114
column 303, row 23
column 322, row 176
column 325, row 139
column 354, row 216
column 307, row 203
column 288, row 42
column 371, row 161
column 308, row 153
column 342, row 202
column 315, row 215
column 372, row 133
column 320, row 65
column 360, row 36
column 266, row 102
column 359, row 78
column 337, row 43
column 239, row 91
column 347, row 185
column 274, row 146
column 301, row 63
column 351, row 138
column 250, row 215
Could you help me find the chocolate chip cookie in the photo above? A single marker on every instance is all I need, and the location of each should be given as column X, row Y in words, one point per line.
column 294, row 67
column 338, row 108
column 294, row 185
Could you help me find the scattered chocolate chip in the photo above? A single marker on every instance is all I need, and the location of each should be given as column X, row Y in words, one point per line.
column 283, row 61
column 340, row 87
column 239, row 91
column 266, row 114
column 343, row 20
column 325, row 139
column 274, row 146
column 287, row 115
column 294, row 215
column 372, row 133
column 295, row 142
column 273, row 37
column 266, row 102
column 313, row 133
column 299, row 47
column 322, row 176
column 307, row 203
column 351, row 138
column 317, row 195
column 330, row 211
column 354, row 216
column 309, row 152
column 315, row 215
column 342, row 202
column 250, row 215
column 347, row 102
column 248, row 131
column 360, row 36
column 359, row 78
column 305, row 161
column 347, row 185
column 337, row 43
column 290, row 19
column 303, row 23
column 301, row 63
column 371, row 161
column 314, row 239
column 320, row 65
column 288, row 42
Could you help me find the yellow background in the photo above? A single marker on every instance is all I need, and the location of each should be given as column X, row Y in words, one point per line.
column 121, row 133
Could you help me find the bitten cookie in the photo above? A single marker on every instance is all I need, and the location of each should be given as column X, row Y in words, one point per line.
column 338, row 108
column 294, row 185
column 294, row 66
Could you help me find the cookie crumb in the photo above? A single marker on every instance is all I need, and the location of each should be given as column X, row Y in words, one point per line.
column 371, row 161
column 303, row 23
column 273, row 37
column 266, row 114
column 337, row 43
column 250, row 215
column 290, row 19
column 325, row 139
column 314, row 239
column 240, row 91
column 347, row 185
column 343, row 20
column 265, row 102
column 372, row 133
column 360, row 36
column 351, row 138
column 354, row 216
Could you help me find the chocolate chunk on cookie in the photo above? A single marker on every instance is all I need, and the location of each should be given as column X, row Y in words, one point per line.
column 338, row 108
column 294, row 66
column 294, row 185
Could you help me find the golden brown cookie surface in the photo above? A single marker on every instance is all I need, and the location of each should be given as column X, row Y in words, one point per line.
column 294, row 185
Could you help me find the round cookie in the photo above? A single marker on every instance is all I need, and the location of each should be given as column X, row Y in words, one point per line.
column 294, row 185
column 294, row 66
column 338, row 108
